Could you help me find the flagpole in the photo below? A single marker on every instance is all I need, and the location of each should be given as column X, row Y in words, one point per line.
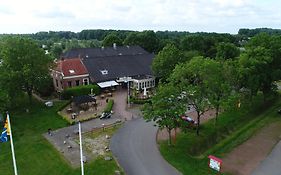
column 12, row 145
column 81, row 151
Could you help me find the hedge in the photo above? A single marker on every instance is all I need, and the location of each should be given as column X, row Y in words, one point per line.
column 139, row 101
column 109, row 106
column 80, row 90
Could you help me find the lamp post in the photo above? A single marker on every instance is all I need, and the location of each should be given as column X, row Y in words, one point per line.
column 127, row 80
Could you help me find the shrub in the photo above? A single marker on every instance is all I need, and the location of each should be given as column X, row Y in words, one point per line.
column 109, row 106
column 139, row 101
column 80, row 90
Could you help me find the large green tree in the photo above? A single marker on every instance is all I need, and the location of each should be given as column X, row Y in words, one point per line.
column 260, row 65
column 146, row 39
column 25, row 64
column 227, row 51
column 166, row 60
column 190, row 79
column 165, row 108
column 110, row 39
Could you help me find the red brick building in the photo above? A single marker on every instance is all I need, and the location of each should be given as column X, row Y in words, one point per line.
column 69, row 73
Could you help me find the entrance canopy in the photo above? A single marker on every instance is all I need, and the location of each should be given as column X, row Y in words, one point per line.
column 107, row 84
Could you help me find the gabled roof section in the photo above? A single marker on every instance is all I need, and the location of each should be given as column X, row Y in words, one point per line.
column 112, row 67
column 71, row 67
column 91, row 53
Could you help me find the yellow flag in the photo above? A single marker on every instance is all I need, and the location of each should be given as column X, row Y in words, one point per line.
column 7, row 126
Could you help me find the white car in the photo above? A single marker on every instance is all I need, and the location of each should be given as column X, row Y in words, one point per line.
column 49, row 104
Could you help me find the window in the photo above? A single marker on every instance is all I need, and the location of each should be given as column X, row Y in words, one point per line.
column 57, row 83
column 71, row 71
column 104, row 72
column 69, row 83
column 77, row 82
column 85, row 81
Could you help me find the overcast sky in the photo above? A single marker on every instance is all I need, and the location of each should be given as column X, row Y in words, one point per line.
column 30, row 16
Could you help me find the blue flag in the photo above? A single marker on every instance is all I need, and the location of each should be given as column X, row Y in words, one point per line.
column 5, row 132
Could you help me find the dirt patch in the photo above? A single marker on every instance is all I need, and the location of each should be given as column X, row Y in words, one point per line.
column 245, row 158
column 97, row 146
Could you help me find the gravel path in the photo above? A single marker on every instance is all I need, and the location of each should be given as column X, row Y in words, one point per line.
column 135, row 148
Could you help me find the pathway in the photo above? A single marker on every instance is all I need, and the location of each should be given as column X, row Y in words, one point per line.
column 271, row 165
column 135, row 148
column 243, row 159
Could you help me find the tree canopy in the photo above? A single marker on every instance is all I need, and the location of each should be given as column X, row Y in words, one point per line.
column 24, row 63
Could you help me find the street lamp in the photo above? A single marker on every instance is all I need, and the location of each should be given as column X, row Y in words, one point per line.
column 127, row 80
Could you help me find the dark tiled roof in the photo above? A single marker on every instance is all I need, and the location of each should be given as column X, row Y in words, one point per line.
column 113, row 62
column 71, row 67
column 103, row 52
column 118, row 66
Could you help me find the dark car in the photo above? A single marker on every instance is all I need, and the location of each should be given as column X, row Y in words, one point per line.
column 105, row 115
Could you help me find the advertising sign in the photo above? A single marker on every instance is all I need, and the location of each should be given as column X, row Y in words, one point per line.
column 215, row 163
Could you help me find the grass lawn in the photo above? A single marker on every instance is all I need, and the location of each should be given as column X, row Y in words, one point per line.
column 189, row 154
column 34, row 154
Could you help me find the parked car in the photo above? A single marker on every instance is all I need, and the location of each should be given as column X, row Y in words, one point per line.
column 189, row 120
column 49, row 104
column 105, row 115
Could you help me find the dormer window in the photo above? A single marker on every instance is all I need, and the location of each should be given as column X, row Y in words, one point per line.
column 104, row 72
column 71, row 71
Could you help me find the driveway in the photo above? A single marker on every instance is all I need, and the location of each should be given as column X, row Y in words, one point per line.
column 135, row 148
column 271, row 165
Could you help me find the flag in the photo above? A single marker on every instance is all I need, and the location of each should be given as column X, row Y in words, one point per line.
column 5, row 132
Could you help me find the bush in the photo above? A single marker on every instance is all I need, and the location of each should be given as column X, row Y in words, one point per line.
column 109, row 106
column 80, row 90
column 139, row 101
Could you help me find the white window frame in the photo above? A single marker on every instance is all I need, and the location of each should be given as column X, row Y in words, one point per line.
column 84, row 80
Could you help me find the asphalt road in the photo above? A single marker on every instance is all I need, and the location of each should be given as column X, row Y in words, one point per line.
column 271, row 165
column 135, row 148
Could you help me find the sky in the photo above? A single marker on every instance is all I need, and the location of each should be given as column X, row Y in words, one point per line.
column 222, row 16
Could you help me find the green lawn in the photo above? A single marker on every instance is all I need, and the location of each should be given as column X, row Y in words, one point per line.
column 34, row 154
column 189, row 155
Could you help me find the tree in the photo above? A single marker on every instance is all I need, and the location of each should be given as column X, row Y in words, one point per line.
column 56, row 51
column 110, row 39
column 166, row 60
column 256, row 70
column 261, row 64
column 132, row 39
column 216, row 79
column 189, row 78
column 25, row 63
column 227, row 51
column 146, row 39
column 165, row 108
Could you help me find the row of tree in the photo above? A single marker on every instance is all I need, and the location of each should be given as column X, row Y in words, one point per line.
column 205, row 83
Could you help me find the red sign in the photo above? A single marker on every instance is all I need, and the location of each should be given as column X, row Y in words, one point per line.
column 215, row 163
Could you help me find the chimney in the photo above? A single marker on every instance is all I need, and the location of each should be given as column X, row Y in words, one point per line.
column 114, row 46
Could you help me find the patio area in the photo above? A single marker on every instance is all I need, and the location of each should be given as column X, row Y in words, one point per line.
column 86, row 107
